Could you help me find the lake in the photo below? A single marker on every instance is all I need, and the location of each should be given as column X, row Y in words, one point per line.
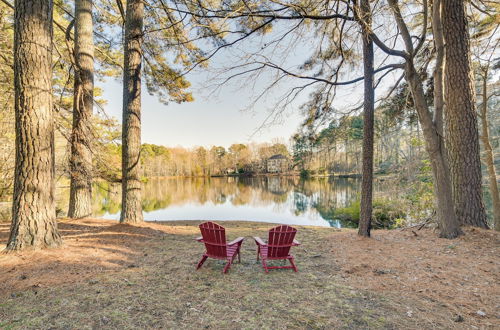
column 275, row 199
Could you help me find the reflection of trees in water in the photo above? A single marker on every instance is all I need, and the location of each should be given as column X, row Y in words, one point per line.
column 324, row 195
column 62, row 197
column 106, row 198
column 281, row 193
column 243, row 196
column 301, row 203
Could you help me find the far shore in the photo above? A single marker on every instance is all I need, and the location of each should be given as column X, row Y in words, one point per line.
column 288, row 174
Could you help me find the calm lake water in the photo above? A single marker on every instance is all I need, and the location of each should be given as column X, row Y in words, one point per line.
column 287, row 200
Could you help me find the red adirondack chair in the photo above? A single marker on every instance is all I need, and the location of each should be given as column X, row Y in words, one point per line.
column 214, row 237
column 281, row 239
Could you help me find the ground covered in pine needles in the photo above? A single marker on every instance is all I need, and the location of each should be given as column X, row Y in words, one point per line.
column 109, row 275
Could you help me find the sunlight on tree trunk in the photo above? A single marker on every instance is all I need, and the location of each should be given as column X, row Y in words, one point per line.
column 80, row 202
column 131, row 134
column 33, row 212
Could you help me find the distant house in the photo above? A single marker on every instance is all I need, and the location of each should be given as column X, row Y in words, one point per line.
column 277, row 164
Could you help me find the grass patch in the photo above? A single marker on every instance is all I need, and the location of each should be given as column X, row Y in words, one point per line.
column 126, row 277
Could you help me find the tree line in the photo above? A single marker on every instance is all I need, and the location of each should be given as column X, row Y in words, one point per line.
column 214, row 161
column 60, row 48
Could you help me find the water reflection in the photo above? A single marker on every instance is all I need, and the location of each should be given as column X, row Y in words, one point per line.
column 268, row 199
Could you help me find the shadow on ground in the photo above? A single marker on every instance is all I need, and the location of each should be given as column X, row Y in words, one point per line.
column 119, row 276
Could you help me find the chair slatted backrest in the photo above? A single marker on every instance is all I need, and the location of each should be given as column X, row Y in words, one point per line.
column 280, row 240
column 214, row 237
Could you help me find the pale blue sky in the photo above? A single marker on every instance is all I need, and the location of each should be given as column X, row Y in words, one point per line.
column 223, row 118
column 209, row 120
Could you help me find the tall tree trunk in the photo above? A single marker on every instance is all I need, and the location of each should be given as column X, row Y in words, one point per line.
column 488, row 150
column 437, row 31
column 461, row 118
column 80, row 201
column 368, row 119
column 448, row 223
column 131, row 131
column 33, row 212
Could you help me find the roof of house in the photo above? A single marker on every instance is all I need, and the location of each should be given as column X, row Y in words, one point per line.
column 279, row 156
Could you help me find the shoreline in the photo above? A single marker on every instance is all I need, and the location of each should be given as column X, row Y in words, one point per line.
column 250, row 175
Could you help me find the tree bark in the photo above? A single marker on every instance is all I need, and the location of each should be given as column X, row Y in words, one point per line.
column 33, row 211
column 462, row 136
column 448, row 223
column 437, row 31
column 80, row 201
column 131, row 131
column 365, row 219
column 488, row 151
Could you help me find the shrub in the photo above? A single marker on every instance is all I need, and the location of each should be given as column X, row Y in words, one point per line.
column 386, row 213
column 305, row 174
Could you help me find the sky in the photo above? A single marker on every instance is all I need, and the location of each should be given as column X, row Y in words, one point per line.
column 221, row 116
column 221, row 119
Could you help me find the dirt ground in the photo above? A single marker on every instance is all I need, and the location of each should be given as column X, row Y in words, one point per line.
column 108, row 275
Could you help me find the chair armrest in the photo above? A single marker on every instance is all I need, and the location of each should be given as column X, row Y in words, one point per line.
column 295, row 242
column 199, row 239
column 236, row 241
column 259, row 241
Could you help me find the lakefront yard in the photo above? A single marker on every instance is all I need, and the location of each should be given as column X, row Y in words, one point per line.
column 110, row 275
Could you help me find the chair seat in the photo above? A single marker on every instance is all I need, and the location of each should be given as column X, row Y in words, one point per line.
column 264, row 250
column 231, row 251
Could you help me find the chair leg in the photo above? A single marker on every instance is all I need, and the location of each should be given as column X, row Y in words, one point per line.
column 228, row 264
column 264, row 264
column 239, row 257
column 258, row 252
column 201, row 261
column 293, row 264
